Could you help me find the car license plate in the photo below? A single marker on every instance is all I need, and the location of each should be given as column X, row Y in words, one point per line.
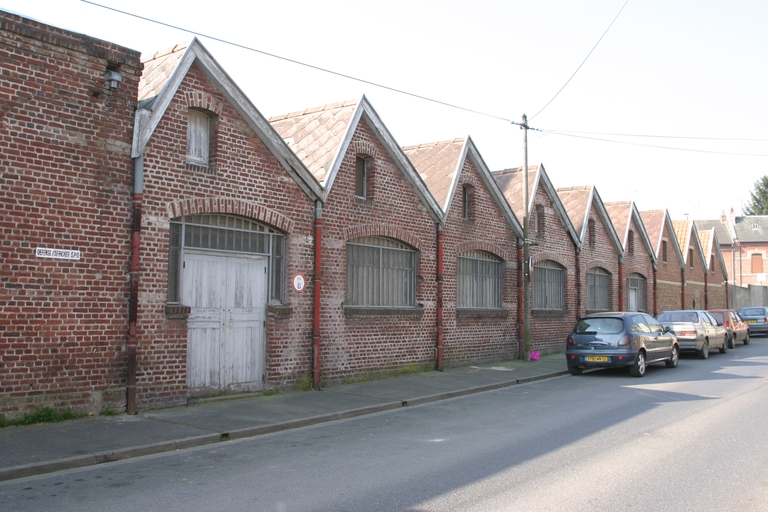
column 750, row 321
column 597, row 359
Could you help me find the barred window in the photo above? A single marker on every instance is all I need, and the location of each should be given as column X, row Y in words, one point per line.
column 480, row 280
column 225, row 234
column 548, row 286
column 598, row 289
column 381, row 272
column 636, row 285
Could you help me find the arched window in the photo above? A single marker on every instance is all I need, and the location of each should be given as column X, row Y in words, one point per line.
column 381, row 272
column 480, row 280
column 636, row 285
column 598, row 289
column 224, row 234
column 548, row 285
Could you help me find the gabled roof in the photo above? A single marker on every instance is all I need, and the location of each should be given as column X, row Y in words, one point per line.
column 440, row 165
column 621, row 213
column 711, row 247
column 720, row 226
column 688, row 235
column 655, row 221
column 578, row 201
column 164, row 73
column 321, row 137
column 752, row 228
column 511, row 184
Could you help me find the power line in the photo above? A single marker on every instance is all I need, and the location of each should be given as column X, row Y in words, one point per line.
column 582, row 62
column 446, row 104
column 311, row 66
column 657, row 136
column 565, row 134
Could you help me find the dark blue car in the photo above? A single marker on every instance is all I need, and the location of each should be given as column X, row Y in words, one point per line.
column 617, row 340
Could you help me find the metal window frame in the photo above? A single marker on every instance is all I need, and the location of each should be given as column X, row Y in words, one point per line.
column 382, row 249
column 480, row 282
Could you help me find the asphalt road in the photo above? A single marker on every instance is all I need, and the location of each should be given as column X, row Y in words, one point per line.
column 690, row 438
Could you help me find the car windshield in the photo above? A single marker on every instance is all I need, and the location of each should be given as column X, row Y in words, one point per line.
column 600, row 326
column 718, row 315
column 751, row 311
column 679, row 316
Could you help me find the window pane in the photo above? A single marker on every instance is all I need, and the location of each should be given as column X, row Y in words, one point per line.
column 198, row 137
column 380, row 275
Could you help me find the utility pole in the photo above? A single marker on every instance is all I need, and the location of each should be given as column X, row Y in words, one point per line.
column 526, row 342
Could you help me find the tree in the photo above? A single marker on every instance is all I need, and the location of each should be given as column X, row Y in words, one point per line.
column 758, row 201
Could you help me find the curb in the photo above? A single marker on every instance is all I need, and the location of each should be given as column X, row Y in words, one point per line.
column 39, row 468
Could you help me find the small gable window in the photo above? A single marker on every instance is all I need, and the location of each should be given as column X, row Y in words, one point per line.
column 198, row 138
column 538, row 221
column 361, row 177
column 591, row 235
column 467, row 206
column 690, row 257
column 631, row 242
column 664, row 251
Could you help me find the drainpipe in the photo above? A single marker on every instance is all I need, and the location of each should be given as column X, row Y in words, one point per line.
column 727, row 301
column 706, row 292
column 133, row 301
column 622, row 307
column 318, row 278
column 439, row 297
column 655, row 294
column 520, row 322
column 682, row 288
column 578, row 284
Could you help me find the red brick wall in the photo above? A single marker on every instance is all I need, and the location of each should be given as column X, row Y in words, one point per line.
column 370, row 342
column 549, row 328
column 246, row 180
column 668, row 276
column 694, row 280
column 602, row 255
column 66, row 183
column 715, row 285
column 638, row 262
column 478, row 336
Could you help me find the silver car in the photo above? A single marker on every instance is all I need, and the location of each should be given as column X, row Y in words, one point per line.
column 695, row 330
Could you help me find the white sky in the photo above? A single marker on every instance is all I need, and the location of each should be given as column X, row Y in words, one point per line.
column 685, row 68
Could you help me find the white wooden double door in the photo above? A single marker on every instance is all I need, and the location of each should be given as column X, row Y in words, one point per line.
column 225, row 330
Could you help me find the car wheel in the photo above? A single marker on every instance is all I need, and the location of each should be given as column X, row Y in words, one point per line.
column 732, row 342
column 746, row 340
column 724, row 348
column 575, row 370
column 672, row 361
column 704, row 352
column 638, row 369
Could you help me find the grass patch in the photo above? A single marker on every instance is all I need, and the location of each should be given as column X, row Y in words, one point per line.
column 46, row 415
column 269, row 392
column 303, row 382
column 406, row 369
column 109, row 411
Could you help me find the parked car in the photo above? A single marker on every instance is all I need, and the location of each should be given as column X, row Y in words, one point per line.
column 735, row 327
column 617, row 340
column 756, row 319
column 695, row 329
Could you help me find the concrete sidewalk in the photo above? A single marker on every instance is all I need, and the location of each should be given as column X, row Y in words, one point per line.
column 37, row 449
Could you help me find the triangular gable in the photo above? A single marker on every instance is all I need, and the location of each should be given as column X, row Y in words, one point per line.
column 655, row 221
column 622, row 214
column 440, row 165
column 511, row 184
column 330, row 146
column 578, row 202
column 688, row 235
column 711, row 247
column 164, row 73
